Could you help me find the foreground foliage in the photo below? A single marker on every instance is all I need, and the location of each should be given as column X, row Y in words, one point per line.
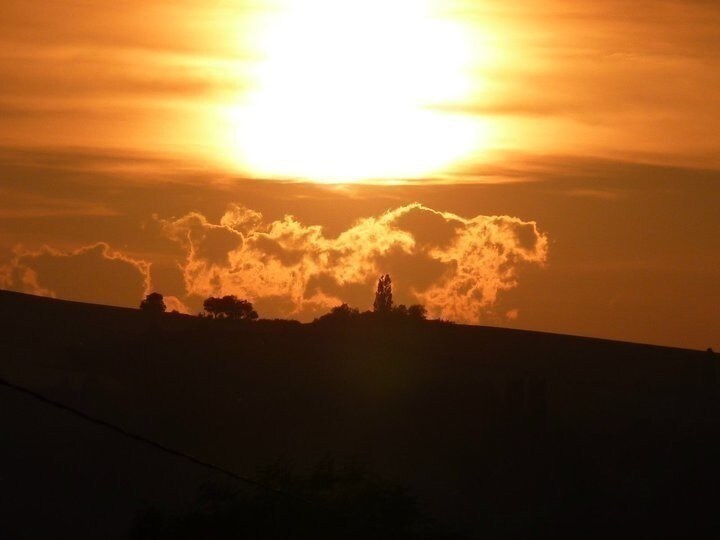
column 328, row 503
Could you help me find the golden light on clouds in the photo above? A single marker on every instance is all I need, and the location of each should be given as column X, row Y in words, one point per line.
column 457, row 267
column 348, row 91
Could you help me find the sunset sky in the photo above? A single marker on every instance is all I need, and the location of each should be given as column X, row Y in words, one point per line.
column 541, row 164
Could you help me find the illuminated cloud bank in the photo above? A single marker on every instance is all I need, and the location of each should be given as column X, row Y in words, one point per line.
column 455, row 266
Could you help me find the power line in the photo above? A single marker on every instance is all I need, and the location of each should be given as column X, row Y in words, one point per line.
column 149, row 442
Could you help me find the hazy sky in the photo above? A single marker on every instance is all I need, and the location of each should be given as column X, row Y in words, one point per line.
column 540, row 164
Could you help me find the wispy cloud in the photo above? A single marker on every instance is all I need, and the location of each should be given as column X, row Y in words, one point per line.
column 19, row 205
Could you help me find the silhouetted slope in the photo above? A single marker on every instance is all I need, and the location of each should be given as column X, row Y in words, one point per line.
column 502, row 432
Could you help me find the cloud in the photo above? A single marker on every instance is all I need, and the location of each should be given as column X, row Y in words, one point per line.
column 173, row 303
column 93, row 273
column 456, row 266
column 204, row 240
column 602, row 194
column 22, row 205
column 484, row 259
column 76, row 73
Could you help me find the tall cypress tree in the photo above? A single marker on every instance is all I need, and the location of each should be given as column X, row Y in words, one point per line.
column 383, row 296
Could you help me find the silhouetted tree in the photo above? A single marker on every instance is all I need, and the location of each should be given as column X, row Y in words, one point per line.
column 230, row 307
column 401, row 310
column 383, row 296
column 341, row 312
column 213, row 306
column 153, row 304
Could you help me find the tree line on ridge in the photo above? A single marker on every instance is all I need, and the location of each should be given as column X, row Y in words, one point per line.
column 233, row 308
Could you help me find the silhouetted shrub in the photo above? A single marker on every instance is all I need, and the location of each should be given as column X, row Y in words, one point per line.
column 342, row 312
column 230, row 307
column 416, row 312
column 153, row 304
column 401, row 310
column 328, row 503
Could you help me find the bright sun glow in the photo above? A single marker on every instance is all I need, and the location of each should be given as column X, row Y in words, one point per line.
column 345, row 92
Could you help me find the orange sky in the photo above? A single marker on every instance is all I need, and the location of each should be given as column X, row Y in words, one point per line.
column 161, row 144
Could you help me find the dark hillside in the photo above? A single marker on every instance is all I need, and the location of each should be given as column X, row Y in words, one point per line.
column 498, row 432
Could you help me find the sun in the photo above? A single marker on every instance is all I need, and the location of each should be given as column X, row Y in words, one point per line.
column 348, row 91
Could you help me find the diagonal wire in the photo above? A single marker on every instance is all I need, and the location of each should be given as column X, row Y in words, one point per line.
column 149, row 442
